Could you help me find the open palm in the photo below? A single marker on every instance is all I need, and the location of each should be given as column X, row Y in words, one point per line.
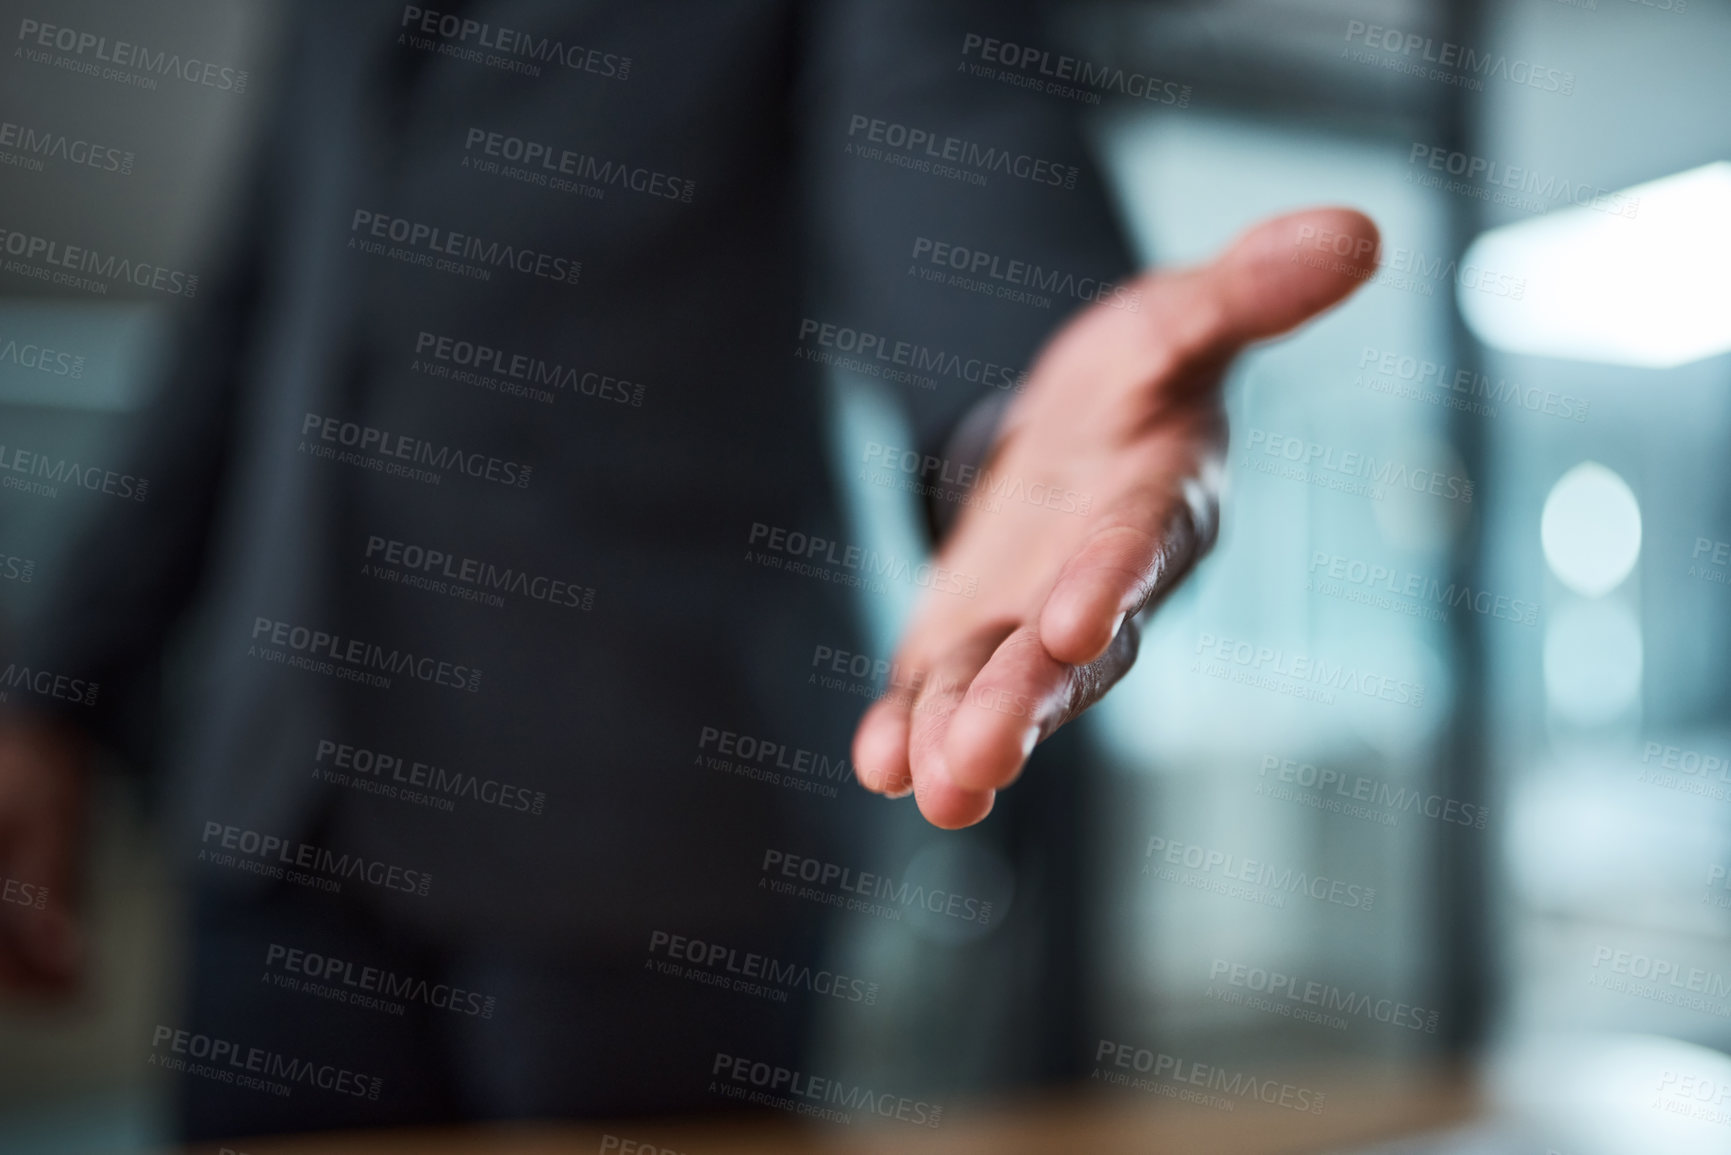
column 1106, row 475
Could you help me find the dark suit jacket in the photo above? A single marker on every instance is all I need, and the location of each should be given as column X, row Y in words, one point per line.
column 589, row 384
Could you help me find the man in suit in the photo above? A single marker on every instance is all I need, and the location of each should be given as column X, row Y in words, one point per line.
column 495, row 482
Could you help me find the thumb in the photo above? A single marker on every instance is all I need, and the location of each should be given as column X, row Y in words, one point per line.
column 1289, row 268
column 1270, row 280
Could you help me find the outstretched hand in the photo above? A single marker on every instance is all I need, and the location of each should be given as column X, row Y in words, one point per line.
column 1122, row 412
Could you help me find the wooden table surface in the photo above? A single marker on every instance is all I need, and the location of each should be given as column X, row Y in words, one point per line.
column 1360, row 1107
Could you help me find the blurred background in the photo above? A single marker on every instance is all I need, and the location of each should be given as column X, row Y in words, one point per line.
column 1510, row 814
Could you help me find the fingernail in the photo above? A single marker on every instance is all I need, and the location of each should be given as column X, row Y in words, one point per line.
column 1030, row 739
column 1118, row 624
column 902, row 790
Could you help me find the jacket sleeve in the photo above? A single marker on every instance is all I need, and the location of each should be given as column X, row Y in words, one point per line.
column 949, row 196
